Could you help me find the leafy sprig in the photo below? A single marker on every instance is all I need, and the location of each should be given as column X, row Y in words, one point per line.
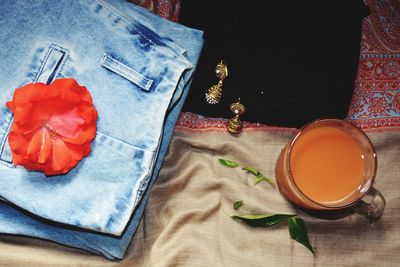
column 259, row 176
column 296, row 226
column 263, row 220
column 228, row 163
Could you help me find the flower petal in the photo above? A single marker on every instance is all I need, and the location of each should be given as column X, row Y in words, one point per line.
column 22, row 113
column 79, row 151
column 89, row 114
column 85, row 95
column 66, row 124
column 70, row 97
column 18, row 142
column 85, row 136
column 18, row 159
column 61, row 159
column 46, row 148
column 35, row 145
column 30, row 92
column 10, row 105
column 63, row 84
column 33, row 120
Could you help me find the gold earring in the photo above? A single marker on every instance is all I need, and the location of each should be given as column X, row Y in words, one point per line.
column 234, row 124
column 213, row 95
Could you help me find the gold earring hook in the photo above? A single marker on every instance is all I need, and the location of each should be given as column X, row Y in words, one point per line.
column 213, row 95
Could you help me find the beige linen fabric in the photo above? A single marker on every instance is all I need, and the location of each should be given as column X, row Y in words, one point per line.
column 187, row 223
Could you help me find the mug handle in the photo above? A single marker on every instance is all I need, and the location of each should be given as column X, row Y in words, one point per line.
column 371, row 206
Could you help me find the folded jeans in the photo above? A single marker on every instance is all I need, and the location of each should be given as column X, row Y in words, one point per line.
column 15, row 221
column 131, row 72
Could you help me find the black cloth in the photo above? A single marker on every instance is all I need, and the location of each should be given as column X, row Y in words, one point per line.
column 290, row 62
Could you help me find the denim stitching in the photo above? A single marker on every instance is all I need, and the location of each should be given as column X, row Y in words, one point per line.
column 142, row 188
column 148, row 84
column 38, row 70
column 127, row 72
column 127, row 21
column 118, row 68
column 124, row 142
column 43, row 63
column 142, row 34
column 4, row 144
column 64, row 59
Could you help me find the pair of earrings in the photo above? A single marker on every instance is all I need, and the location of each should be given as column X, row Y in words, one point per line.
column 213, row 96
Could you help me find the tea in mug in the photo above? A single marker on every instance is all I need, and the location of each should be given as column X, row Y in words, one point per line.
column 327, row 164
column 330, row 164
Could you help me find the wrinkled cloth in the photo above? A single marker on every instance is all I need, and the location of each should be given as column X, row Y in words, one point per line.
column 187, row 223
column 376, row 98
column 16, row 221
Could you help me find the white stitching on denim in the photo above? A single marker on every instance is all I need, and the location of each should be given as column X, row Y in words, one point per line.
column 124, row 142
column 43, row 63
column 3, row 144
column 64, row 58
column 127, row 72
column 129, row 22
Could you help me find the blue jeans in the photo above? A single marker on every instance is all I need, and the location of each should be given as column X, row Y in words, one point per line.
column 180, row 52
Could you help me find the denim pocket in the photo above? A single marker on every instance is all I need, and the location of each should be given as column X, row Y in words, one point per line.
column 117, row 173
column 52, row 64
column 50, row 67
column 127, row 72
column 100, row 193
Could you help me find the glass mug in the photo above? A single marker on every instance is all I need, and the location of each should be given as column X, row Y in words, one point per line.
column 330, row 164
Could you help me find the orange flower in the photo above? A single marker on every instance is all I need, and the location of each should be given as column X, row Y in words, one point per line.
column 53, row 125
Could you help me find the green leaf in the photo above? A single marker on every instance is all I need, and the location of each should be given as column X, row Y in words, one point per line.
column 264, row 178
column 252, row 170
column 258, row 180
column 298, row 232
column 259, row 176
column 265, row 220
column 228, row 163
column 237, row 204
